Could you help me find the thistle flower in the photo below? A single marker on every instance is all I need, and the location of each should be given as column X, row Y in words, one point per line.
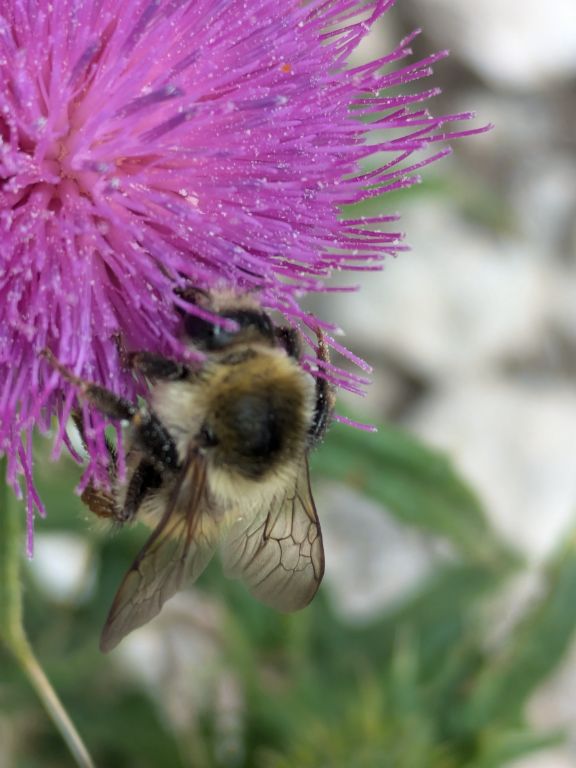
column 145, row 144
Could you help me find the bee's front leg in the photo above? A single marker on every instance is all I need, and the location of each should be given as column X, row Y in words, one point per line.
column 155, row 366
column 149, row 432
column 107, row 402
column 150, row 364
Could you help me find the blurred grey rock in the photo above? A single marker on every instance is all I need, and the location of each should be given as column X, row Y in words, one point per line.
column 182, row 645
column 459, row 302
column 561, row 757
column 517, row 446
column 514, row 44
column 553, row 708
column 372, row 562
column 505, row 610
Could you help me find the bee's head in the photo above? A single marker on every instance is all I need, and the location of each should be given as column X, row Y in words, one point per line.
column 244, row 326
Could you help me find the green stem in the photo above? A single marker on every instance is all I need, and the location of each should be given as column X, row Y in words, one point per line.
column 12, row 629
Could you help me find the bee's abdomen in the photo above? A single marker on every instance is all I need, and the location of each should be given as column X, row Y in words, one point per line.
column 258, row 428
column 258, row 413
column 254, row 432
column 257, row 432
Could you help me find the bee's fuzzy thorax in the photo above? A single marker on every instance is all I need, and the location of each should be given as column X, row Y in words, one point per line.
column 255, row 404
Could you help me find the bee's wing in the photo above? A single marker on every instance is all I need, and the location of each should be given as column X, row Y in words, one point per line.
column 179, row 548
column 278, row 551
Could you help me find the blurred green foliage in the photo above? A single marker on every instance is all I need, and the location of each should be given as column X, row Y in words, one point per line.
column 418, row 686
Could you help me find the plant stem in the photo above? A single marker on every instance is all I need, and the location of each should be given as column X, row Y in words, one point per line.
column 12, row 632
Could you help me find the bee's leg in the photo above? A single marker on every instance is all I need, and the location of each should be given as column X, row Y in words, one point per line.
column 103, row 503
column 145, row 479
column 156, row 366
column 149, row 432
column 325, row 397
column 290, row 340
column 150, row 364
column 112, row 457
column 121, row 347
column 100, row 502
column 192, row 295
column 325, row 400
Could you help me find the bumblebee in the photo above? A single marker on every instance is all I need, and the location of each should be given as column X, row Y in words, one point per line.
column 217, row 458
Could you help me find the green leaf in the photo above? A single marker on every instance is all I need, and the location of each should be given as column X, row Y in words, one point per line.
column 501, row 748
column 416, row 484
column 531, row 653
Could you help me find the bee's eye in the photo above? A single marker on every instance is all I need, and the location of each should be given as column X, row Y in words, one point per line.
column 197, row 328
column 250, row 320
column 221, row 337
column 207, row 335
column 211, row 336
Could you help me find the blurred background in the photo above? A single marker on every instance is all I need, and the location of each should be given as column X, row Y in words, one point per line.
column 444, row 634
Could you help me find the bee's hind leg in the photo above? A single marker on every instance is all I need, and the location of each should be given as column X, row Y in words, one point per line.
column 289, row 338
column 325, row 397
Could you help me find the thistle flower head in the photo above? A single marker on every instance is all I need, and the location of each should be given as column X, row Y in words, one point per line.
column 147, row 144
